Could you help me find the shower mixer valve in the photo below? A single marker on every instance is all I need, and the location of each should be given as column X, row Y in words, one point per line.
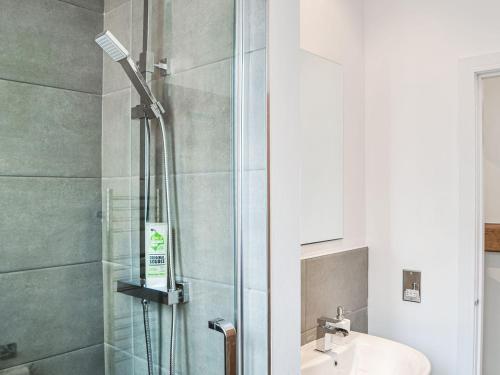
column 139, row 289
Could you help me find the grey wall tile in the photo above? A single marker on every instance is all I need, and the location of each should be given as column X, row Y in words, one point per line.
column 51, row 43
column 254, row 233
column 17, row 370
column 194, row 33
column 199, row 350
column 308, row 336
column 255, row 24
column 118, row 323
column 205, row 248
column 333, row 280
column 359, row 320
column 135, row 230
column 141, row 368
column 118, row 21
column 119, row 221
column 255, row 110
column 199, row 106
column 95, row 5
column 112, row 4
column 51, row 311
column 255, row 337
column 160, row 34
column 202, row 32
column 49, row 221
column 116, row 159
column 118, row 362
column 49, row 132
column 84, row 361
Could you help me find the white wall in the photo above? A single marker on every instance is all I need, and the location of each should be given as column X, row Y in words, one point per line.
column 491, row 125
column 284, row 182
column 412, row 54
column 491, row 176
column 334, row 29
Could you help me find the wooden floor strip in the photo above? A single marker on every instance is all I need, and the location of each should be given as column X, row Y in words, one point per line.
column 492, row 237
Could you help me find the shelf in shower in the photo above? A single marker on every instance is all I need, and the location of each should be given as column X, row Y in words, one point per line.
column 139, row 289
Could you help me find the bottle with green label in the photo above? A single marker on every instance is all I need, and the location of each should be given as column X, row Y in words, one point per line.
column 156, row 254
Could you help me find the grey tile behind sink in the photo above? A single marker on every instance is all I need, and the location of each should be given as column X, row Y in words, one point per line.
column 333, row 280
column 50, row 42
column 51, row 311
column 359, row 320
column 49, row 132
column 49, row 221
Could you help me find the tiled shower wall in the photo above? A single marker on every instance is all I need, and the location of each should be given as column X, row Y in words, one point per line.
column 50, row 186
column 334, row 280
column 197, row 38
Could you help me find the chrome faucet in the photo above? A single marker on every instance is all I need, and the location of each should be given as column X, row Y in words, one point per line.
column 326, row 328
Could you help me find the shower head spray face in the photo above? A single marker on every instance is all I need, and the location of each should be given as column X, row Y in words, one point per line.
column 119, row 53
column 111, row 46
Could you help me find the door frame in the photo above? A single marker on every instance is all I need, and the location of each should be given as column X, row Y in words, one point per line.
column 471, row 222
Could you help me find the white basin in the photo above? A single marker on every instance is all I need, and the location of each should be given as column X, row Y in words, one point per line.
column 360, row 354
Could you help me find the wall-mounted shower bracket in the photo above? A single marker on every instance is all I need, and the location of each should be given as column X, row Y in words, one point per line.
column 147, row 65
column 162, row 66
column 139, row 289
column 146, row 111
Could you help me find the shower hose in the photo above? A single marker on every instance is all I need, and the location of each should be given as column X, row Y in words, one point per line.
column 170, row 251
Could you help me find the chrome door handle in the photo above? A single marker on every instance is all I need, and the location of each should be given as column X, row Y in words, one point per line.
column 229, row 332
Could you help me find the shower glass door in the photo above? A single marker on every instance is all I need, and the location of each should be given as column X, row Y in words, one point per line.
column 215, row 98
column 72, row 183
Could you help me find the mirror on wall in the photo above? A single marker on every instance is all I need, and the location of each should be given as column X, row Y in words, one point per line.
column 321, row 118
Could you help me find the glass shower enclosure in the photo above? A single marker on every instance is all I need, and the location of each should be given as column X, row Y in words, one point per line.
column 82, row 179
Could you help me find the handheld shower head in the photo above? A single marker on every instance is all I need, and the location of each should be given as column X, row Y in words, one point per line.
column 111, row 46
